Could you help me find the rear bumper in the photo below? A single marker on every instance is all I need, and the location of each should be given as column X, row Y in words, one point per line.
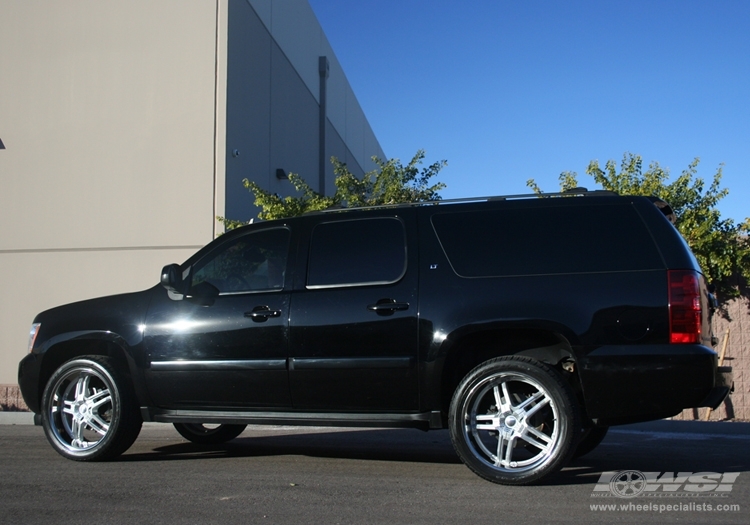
column 723, row 385
column 623, row 384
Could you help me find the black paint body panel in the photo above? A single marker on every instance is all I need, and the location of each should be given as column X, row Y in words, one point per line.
column 389, row 352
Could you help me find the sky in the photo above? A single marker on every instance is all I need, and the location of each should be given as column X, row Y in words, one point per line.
column 506, row 91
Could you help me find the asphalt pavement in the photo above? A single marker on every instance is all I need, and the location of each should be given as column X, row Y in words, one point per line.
column 331, row 475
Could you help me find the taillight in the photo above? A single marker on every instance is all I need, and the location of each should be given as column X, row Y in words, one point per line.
column 685, row 315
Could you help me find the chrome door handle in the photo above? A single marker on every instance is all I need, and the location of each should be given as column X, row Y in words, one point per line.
column 262, row 313
column 387, row 306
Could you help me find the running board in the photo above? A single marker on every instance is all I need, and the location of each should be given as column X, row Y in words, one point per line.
column 422, row 420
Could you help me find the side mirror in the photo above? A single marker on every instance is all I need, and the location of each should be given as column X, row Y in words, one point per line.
column 171, row 278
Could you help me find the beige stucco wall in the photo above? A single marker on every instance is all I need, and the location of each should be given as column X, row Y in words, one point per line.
column 109, row 118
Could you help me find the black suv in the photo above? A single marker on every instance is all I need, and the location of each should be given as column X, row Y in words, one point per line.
column 526, row 326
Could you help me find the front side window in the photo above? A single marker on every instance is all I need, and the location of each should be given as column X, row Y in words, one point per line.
column 357, row 252
column 252, row 263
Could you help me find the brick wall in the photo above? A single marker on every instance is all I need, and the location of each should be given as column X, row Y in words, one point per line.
column 11, row 400
column 736, row 319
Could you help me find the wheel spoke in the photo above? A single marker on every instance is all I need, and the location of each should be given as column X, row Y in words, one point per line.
column 67, row 408
column 77, row 433
column 507, row 405
column 508, row 457
column 544, row 447
column 502, row 443
column 82, row 386
column 99, row 399
column 526, row 402
column 491, row 422
column 97, row 424
column 499, row 451
column 540, row 435
column 498, row 398
column 533, row 410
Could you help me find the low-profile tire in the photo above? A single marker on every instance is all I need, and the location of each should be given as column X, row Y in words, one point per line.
column 208, row 434
column 514, row 420
column 590, row 440
column 89, row 410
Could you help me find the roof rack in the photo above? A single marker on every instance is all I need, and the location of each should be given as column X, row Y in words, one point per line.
column 573, row 192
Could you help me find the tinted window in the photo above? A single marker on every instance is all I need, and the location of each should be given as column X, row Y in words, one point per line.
column 364, row 251
column 250, row 263
column 546, row 240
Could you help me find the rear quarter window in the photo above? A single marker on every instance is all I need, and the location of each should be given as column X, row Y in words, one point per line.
column 546, row 240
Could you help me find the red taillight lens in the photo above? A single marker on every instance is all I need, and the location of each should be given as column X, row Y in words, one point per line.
column 685, row 317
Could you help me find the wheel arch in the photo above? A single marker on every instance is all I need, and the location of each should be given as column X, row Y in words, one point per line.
column 65, row 347
column 466, row 351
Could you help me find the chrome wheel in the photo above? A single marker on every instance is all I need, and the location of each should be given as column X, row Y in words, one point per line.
column 511, row 423
column 81, row 409
column 512, row 420
column 86, row 415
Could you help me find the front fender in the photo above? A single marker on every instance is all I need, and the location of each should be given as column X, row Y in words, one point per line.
column 48, row 355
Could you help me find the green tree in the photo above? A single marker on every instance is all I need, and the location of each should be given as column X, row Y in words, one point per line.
column 721, row 246
column 390, row 183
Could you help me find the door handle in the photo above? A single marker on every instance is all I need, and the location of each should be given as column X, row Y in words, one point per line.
column 262, row 313
column 387, row 306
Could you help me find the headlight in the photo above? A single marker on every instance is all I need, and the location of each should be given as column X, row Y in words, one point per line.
column 32, row 335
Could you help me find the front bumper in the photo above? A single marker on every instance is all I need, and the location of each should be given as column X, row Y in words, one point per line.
column 28, row 382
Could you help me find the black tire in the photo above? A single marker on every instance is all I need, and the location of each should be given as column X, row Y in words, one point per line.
column 208, row 435
column 590, row 440
column 89, row 410
column 514, row 420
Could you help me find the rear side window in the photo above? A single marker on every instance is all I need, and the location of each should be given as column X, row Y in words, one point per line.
column 546, row 240
column 357, row 252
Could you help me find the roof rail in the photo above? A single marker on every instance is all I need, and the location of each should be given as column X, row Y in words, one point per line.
column 573, row 192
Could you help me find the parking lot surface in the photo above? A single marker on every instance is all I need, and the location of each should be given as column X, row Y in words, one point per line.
column 324, row 475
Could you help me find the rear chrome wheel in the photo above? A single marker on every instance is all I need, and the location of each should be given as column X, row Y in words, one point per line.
column 513, row 420
column 89, row 412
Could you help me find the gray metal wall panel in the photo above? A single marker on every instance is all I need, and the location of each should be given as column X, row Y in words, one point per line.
column 294, row 122
column 294, row 26
column 248, row 108
column 335, row 147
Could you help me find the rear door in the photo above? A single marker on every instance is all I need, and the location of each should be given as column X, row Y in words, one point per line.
column 353, row 321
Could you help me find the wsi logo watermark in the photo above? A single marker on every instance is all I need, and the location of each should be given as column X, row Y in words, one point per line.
column 634, row 483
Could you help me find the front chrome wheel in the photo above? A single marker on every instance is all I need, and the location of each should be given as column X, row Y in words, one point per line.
column 512, row 420
column 88, row 413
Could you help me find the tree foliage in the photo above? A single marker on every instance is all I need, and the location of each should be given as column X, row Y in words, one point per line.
column 721, row 246
column 390, row 183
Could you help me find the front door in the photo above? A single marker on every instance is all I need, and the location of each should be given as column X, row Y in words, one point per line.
column 224, row 345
